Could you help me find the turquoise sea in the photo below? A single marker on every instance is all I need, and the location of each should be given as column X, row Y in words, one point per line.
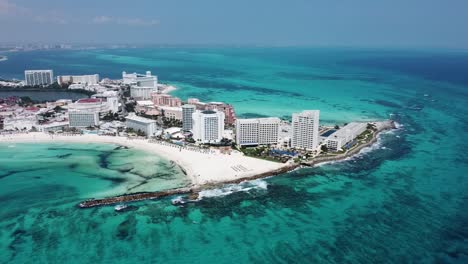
column 403, row 201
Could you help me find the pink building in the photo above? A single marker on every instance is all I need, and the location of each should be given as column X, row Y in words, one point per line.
column 229, row 113
column 165, row 100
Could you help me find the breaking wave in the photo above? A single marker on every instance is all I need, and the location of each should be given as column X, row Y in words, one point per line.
column 233, row 188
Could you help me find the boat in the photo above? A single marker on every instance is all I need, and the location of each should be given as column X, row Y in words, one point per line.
column 120, row 207
column 178, row 201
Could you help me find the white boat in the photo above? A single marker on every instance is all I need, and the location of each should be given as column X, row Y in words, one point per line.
column 120, row 207
column 178, row 201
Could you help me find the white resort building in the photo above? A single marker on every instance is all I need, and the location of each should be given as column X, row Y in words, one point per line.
column 344, row 135
column 111, row 98
column 79, row 118
column 38, row 77
column 257, row 131
column 145, row 125
column 305, row 130
column 83, row 79
column 141, row 80
column 187, row 112
column 171, row 112
column 208, row 126
column 100, row 105
column 141, row 86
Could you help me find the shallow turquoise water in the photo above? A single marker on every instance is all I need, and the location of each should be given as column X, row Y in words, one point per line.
column 402, row 201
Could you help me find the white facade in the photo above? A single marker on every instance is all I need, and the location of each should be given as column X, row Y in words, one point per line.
column 38, row 77
column 147, row 126
column 257, row 131
column 142, row 93
column 83, row 118
column 140, row 80
column 84, row 79
column 171, row 112
column 111, row 99
column 208, row 126
column 344, row 135
column 305, row 130
column 99, row 105
column 187, row 112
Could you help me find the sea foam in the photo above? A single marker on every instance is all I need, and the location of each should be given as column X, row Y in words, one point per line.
column 233, row 188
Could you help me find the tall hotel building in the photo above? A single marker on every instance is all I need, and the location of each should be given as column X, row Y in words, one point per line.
column 187, row 112
column 38, row 77
column 208, row 126
column 305, row 130
column 258, row 131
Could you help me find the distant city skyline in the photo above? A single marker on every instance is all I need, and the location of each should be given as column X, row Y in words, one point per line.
column 361, row 23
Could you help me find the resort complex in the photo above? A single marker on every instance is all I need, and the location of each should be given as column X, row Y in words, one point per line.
column 206, row 139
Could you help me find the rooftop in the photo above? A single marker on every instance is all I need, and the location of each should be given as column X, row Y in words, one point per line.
column 140, row 119
column 88, row 100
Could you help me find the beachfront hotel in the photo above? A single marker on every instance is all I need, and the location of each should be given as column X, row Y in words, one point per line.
column 208, row 126
column 111, row 98
column 82, row 79
column 227, row 109
column 171, row 112
column 257, row 131
column 79, row 118
column 99, row 105
column 305, row 130
column 142, row 93
column 141, row 86
column 38, row 77
column 187, row 112
column 344, row 135
column 145, row 125
column 140, row 80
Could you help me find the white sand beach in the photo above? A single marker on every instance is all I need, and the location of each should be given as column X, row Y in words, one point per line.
column 201, row 168
column 168, row 89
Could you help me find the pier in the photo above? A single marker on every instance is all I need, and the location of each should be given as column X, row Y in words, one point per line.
column 193, row 191
column 133, row 197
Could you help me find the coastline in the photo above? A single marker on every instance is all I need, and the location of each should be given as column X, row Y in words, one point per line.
column 384, row 126
column 200, row 167
column 167, row 88
column 205, row 170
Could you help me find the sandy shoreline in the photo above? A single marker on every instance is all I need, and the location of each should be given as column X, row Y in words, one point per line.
column 168, row 89
column 201, row 168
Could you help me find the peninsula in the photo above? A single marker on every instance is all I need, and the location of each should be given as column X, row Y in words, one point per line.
column 207, row 140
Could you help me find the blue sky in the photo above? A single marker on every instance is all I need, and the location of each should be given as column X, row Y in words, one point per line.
column 362, row 23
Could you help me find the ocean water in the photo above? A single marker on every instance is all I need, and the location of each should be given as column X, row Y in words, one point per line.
column 404, row 200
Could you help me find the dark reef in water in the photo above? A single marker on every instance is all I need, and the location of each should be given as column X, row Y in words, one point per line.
column 252, row 115
column 127, row 228
column 121, row 147
column 63, row 156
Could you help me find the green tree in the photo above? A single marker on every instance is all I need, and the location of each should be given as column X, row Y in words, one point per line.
column 324, row 148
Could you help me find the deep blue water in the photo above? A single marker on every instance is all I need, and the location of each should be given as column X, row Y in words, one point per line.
column 403, row 201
